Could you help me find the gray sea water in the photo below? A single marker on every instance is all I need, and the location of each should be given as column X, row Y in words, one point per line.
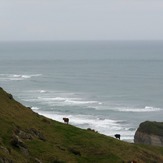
column 109, row 86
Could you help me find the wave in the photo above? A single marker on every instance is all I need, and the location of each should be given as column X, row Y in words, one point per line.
column 81, row 102
column 9, row 77
column 35, row 108
column 42, row 91
column 63, row 101
column 145, row 109
column 45, row 98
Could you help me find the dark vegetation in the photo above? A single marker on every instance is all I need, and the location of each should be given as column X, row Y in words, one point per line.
column 155, row 128
column 26, row 137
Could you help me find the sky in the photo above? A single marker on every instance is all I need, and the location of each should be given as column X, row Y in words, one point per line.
column 25, row 20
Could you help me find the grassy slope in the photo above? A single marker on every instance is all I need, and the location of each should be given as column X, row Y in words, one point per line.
column 63, row 143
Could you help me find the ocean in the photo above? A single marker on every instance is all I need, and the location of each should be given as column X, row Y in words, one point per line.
column 108, row 86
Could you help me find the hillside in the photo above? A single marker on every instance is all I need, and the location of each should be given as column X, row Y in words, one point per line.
column 26, row 137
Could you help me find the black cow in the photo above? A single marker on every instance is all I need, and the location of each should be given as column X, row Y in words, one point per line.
column 66, row 120
column 118, row 136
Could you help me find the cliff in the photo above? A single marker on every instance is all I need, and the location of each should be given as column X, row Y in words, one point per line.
column 150, row 133
column 27, row 137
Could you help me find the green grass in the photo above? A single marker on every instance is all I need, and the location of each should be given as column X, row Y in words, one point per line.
column 63, row 143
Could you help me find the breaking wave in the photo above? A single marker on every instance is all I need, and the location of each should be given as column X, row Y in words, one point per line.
column 35, row 108
column 63, row 101
column 145, row 109
column 9, row 77
column 58, row 99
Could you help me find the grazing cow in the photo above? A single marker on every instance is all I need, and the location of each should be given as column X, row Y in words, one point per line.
column 66, row 120
column 118, row 136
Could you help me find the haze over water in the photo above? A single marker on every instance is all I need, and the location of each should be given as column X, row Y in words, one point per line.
column 109, row 86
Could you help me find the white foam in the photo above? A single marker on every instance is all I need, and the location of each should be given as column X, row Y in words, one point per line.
column 150, row 108
column 15, row 76
column 42, row 91
column 8, row 77
column 145, row 109
column 55, row 98
column 26, row 76
column 129, row 109
column 62, row 101
column 74, row 102
column 35, row 108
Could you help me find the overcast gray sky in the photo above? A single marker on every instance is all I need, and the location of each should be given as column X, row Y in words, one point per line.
column 81, row 20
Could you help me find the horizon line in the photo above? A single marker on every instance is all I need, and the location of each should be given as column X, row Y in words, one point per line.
column 120, row 40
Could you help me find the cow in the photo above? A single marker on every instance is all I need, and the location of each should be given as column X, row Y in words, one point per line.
column 66, row 120
column 118, row 136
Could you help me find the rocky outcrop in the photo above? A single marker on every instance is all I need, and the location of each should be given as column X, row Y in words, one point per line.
column 4, row 149
column 5, row 160
column 150, row 133
column 19, row 138
column 30, row 134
